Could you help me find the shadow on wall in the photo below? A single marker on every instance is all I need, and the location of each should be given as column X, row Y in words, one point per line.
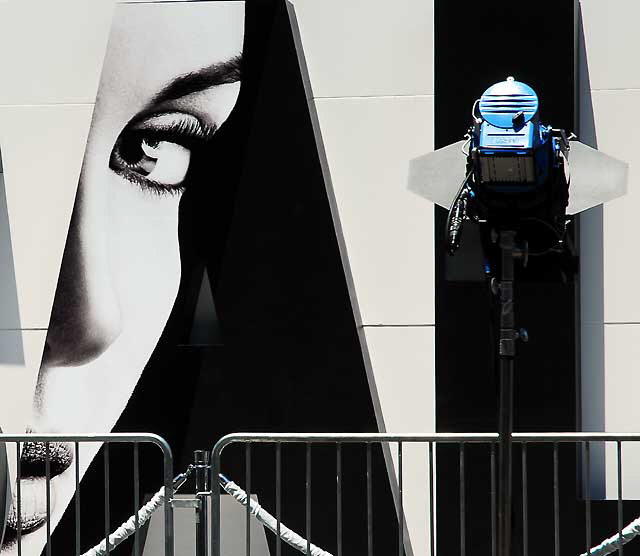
column 591, row 291
column 11, row 347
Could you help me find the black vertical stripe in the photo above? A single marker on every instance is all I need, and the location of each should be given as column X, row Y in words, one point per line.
column 476, row 45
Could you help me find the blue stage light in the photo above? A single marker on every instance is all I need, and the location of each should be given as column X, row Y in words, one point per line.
column 514, row 169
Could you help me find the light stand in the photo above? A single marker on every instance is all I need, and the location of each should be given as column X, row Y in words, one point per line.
column 515, row 168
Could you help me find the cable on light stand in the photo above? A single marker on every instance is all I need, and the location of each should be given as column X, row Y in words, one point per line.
column 457, row 215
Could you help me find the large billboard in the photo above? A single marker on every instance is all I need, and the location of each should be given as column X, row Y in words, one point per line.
column 201, row 261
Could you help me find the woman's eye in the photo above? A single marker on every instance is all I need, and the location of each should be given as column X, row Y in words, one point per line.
column 155, row 153
column 161, row 161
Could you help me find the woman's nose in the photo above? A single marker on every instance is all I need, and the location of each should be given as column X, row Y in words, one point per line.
column 85, row 319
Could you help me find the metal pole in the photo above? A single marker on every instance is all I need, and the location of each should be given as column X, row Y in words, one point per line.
column 215, row 501
column 506, row 355
column 201, row 464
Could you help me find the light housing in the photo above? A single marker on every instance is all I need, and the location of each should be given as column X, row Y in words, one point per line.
column 595, row 177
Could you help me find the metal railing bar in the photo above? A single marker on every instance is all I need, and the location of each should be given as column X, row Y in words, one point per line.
column 247, row 482
column 620, row 517
column 573, row 437
column 494, row 539
column 400, row 507
column 215, row 507
column 167, row 457
column 334, row 438
column 106, row 438
column 432, row 519
column 76, row 453
column 47, row 466
column 18, row 499
column 331, row 438
column 587, row 456
column 308, row 498
column 369, row 504
column 556, row 502
column 463, row 529
column 339, row 497
column 107, row 509
column 525, row 504
column 278, row 498
column 136, row 497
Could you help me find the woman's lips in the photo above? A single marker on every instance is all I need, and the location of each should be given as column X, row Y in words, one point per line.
column 34, row 456
column 33, row 505
column 33, row 485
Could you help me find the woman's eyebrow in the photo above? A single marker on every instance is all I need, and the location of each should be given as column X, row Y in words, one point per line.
column 200, row 80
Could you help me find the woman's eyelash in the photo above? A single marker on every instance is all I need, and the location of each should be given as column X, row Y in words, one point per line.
column 186, row 129
column 153, row 186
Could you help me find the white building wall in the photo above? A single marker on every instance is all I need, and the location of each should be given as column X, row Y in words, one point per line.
column 370, row 70
column 610, row 301
column 51, row 56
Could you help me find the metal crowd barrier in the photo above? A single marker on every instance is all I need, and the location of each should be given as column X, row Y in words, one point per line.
column 548, row 455
column 584, row 441
column 135, row 440
column 339, row 440
column 470, row 477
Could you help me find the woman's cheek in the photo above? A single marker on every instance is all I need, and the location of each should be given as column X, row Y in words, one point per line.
column 145, row 256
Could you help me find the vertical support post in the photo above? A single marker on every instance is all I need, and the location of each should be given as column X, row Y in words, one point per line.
column 215, row 504
column 506, row 356
column 19, row 499
column 201, row 464
column 525, row 503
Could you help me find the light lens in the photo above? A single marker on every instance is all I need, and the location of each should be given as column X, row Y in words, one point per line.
column 507, row 169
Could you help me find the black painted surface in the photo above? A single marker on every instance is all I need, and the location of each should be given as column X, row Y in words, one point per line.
column 533, row 43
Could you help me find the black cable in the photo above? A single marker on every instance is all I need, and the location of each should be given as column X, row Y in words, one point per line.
column 557, row 233
column 456, row 216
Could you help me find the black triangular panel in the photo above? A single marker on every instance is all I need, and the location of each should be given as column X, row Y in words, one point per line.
column 205, row 330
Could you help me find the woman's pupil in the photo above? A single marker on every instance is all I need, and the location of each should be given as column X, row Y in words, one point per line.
column 131, row 149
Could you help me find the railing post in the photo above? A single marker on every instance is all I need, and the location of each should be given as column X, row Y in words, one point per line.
column 215, row 503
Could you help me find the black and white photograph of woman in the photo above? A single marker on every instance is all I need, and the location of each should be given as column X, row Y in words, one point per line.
column 201, row 180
